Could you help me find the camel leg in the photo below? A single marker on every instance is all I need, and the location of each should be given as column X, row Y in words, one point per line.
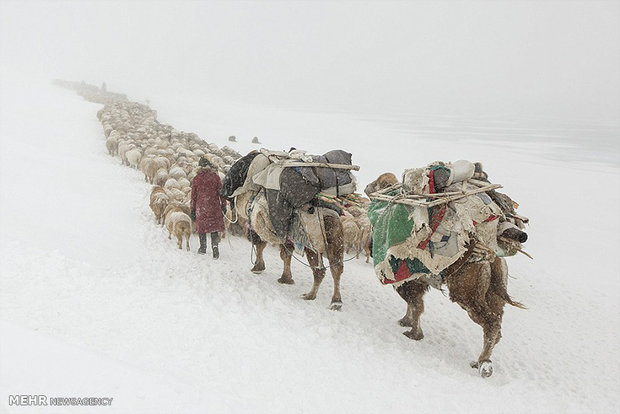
column 187, row 242
column 318, row 270
column 286, row 253
column 497, row 296
column 180, row 241
column 469, row 288
column 413, row 293
column 335, row 256
column 259, row 266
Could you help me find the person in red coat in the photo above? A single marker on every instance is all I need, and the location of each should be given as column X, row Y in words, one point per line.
column 207, row 206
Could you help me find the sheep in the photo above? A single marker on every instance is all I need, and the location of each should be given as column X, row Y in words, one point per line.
column 152, row 167
column 175, row 194
column 176, row 206
column 122, row 151
column 351, row 233
column 150, row 150
column 365, row 234
column 161, row 176
column 188, row 195
column 112, row 145
column 171, row 183
column 183, row 183
column 179, row 224
column 133, row 157
column 177, row 172
column 144, row 162
column 159, row 202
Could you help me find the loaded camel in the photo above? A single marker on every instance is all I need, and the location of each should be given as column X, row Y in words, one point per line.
column 319, row 226
column 478, row 286
column 260, row 233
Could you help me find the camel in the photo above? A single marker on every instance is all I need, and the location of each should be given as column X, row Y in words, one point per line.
column 385, row 180
column 478, row 286
column 260, row 233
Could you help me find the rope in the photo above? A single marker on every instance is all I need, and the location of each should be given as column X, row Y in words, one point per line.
column 236, row 218
column 292, row 253
column 252, row 248
column 231, row 211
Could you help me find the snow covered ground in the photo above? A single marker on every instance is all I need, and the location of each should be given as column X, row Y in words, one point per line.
column 95, row 301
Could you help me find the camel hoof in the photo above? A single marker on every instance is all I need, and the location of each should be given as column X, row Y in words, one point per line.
column 256, row 272
column 336, row 306
column 405, row 322
column 485, row 368
column 258, row 269
column 416, row 336
column 307, row 296
column 286, row 280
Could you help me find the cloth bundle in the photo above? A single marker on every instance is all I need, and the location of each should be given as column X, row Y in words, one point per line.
column 416, row 241
column 286, row 185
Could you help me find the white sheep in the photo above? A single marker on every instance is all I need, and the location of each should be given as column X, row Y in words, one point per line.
column 171, row 183
column 183, row 182
column 177, row 172
column 123, row 147
column 179, row 224
column 174, row 194
column 112, row 145
column 161, row 177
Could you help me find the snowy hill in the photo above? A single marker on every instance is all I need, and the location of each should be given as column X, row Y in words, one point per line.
column 96, row 301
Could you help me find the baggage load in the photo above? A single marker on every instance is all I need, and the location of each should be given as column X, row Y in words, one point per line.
column 291, row 186
column 426, row 224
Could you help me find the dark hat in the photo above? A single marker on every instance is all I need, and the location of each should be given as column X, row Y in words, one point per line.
column 203, row 162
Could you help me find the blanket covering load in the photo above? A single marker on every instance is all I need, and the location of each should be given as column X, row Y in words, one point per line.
column 276, row 191
column 412, row 241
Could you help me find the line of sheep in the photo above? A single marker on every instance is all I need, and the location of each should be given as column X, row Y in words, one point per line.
column 167, row 157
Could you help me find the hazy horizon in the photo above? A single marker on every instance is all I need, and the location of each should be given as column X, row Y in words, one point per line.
column 548, row 59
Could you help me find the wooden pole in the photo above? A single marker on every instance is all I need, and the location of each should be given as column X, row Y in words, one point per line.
column 413, row 199
column 318, row 164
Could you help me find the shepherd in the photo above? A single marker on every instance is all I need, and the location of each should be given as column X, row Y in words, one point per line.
column 207, row 206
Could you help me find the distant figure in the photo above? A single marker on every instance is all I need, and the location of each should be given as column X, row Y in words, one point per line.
column 207, row 206
column 255, row 140
column 103, row 87
column 232, row 138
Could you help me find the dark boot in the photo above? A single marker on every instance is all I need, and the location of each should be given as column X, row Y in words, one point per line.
column 214, row 244
column 203, row 243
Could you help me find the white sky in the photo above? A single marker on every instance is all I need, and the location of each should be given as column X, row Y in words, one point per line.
column 542, row 58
